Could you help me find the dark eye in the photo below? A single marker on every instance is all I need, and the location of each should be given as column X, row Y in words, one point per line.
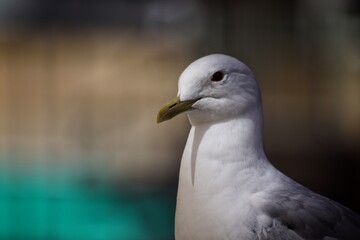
column 217, row 76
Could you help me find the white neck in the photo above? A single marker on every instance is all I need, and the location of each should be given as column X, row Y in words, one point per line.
column 222, row 160
column 236, row 141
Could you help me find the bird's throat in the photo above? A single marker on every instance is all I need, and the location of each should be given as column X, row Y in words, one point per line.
column 236, row 141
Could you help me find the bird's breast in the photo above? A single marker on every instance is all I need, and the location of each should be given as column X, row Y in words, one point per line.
column 212, row 196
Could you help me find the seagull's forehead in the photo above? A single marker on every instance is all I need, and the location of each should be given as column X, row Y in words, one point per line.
column 190, row 84
column 203, row 68
column 193, row 75
column 196, row 77
column 207, row 65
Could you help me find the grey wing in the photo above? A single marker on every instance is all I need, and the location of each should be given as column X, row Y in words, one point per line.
column 310, row 215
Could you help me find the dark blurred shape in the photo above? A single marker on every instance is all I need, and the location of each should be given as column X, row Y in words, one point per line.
column 353, row 8
column 80, row 13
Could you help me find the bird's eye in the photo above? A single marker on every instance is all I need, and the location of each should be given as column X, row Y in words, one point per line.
column 217, row 76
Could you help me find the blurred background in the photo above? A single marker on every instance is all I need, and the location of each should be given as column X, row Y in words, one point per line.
column 81, row 81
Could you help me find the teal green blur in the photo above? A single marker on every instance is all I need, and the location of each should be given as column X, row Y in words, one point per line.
column 38, row 202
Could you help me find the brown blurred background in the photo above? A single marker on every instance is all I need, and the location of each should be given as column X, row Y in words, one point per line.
column 81, row 83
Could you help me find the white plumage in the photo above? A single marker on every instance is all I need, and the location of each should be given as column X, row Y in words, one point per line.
column 227, row 187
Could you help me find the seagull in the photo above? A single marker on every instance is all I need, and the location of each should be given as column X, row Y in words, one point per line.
column 228, row 189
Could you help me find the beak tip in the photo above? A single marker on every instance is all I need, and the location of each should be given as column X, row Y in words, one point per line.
column 159, row 118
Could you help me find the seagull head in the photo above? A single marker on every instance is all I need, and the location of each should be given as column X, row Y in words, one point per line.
column 213, row 88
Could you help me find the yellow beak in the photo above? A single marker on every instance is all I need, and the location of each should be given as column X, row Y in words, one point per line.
column 173, row 108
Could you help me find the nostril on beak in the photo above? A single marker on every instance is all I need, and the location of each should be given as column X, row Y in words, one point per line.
column 173, row 105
